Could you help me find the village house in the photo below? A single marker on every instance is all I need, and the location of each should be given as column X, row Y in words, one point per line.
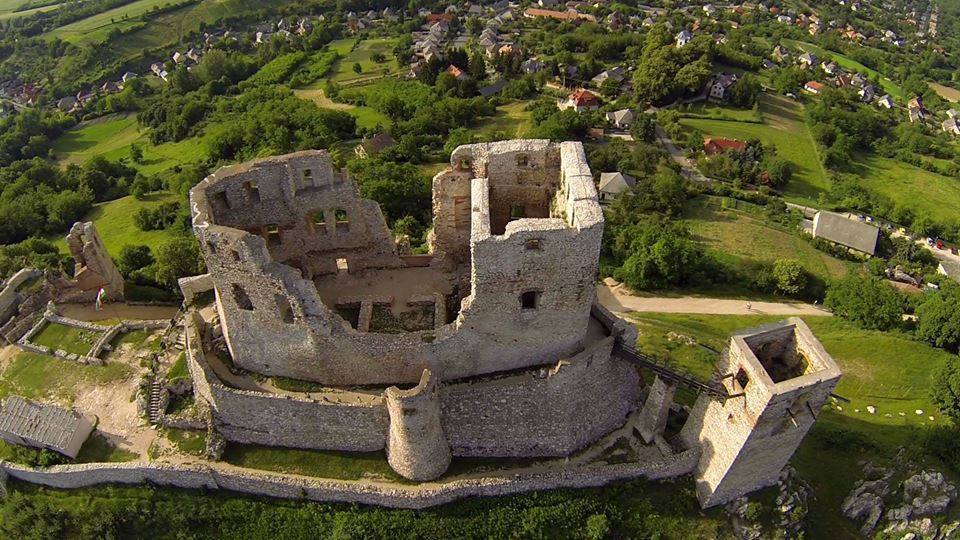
column 949, row 268
column 807, row 60
column 814, row 87
column 531, row 65
column 829, row 68
column 580, row 100
column 683, row 37
column 852, row 234
column 374, row 145
column 885, row 101
column 714, row 146
column 621, row 119
column 613, row 184
column 780, row 53
column 950, row 125
column 615, row 74
column 723, row 82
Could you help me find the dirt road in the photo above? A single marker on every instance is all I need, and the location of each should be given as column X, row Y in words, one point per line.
column 617, row 298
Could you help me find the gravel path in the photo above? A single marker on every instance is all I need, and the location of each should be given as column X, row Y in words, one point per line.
column 617, row 298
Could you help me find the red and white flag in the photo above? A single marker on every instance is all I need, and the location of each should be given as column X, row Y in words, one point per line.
column 100, row 295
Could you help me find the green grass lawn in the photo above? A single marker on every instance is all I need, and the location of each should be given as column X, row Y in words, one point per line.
column 738, row 237
column 114, row 222
column 910, row 186
column 112, row 136
column 511, row 121
column 784, row 128
column 714, row 111
column 68, row 338
column 37, row 376
column 849, row 64
column 188, row 442
column 342, row 71
column 326, row 464
column 367, row 117
column 96, row 28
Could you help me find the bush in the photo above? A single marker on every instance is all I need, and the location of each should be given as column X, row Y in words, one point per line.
column 161, row 217
column 790, row 277
column 134, row 257
column 943, row 443
column 945, row 390
column 869, row 302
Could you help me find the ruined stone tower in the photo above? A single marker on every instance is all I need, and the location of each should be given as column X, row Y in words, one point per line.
column 778, row 376
column 417, row 448
column 93, row 269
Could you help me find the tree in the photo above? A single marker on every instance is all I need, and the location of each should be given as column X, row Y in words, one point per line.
column 789, row 276
column 694, row 76
column 378, row 57
column 178, row 257
column 644, row 128
column 357, row 68
column 945, row 390
column 134, row 257
column 869, row 302
column 136, row 153
column 744, row 92
column 938, row 319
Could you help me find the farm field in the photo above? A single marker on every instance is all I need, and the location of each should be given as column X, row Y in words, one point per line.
column 845, row 62
column 169, row 27
column 912, row 187
column 784, row 128
column 114, row 221
column 7, row 8
column 112, row 136
column 739, row 238
column 950, row 94
column 96, row 28
column 887, row 370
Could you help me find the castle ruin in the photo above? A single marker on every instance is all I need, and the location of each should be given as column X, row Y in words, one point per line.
column 492, row 345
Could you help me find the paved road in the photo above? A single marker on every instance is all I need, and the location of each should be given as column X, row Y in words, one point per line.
column 688, row 167
column 617, row 298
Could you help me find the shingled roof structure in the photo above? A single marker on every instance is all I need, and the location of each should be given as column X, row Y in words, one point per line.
column 42, row 425
column 846, row 232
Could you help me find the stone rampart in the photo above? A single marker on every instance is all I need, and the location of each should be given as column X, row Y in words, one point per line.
column 225, row 477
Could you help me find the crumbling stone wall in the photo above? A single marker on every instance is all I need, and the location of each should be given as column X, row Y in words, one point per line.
column 93, row 270
column 275, row 323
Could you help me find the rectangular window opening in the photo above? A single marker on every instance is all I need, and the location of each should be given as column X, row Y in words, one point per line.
column 241, row 298
column 252, row 190
column 532, row 244
column 342, row 219
column 343, row 266
column 743, row 379
column 529, row 300
column 317, row 222
column 517, row 212
column 283, row 306
column 522, row 160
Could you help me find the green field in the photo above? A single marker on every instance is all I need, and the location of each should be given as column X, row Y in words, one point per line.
column 911, row 187
column 713, row 111
column 342, row 71
column 737, row 237
column 37, row 376
column 114, row 221
column 97, row 28
column 326, row 464
column 73, row 340
column 511, row 121
column 170, row 27
column 7, row 8
column 367, row 117
column 112, row 136
column 784, row 128
column 849, row 64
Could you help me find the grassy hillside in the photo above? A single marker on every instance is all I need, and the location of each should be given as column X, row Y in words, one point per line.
column 114, row 221
column 911, row 186
column 96, row 28
column 737, row 238
column 367, row 117
column 783, row 127
column 511, row 121
column 7, row 8
column 342, row 71
column 112, row 136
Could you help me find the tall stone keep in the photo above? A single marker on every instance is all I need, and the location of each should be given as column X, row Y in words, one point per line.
column 779, row 377
column 416, row 447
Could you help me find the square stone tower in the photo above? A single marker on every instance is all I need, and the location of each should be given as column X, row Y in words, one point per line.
column 778, row 377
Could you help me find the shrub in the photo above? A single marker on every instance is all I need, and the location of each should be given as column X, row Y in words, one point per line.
column 869, row 302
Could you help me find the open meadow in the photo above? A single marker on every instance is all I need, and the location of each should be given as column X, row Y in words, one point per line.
column 911, row 187
column 112, row 136
column 97, row 28
column 114, row 222
column 782, row 126
column 9, row 9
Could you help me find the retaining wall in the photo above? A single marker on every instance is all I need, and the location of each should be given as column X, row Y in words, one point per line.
column 225, row 477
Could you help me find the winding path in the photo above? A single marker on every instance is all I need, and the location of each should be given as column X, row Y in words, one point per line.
column 617, row 298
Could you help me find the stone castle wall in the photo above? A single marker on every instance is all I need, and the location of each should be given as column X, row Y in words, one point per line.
column 551, row 411
column 275, row 323
column 417, row 447
column 286, row 486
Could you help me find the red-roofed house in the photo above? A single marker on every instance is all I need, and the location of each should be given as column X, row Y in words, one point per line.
column 712, row 147
column 580, row 100
column 814, row 87
column 456, row 72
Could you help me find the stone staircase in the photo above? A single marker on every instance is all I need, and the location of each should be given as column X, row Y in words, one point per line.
column 154, row 406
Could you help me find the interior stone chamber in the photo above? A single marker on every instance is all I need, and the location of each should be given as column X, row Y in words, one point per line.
column 495, row 335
